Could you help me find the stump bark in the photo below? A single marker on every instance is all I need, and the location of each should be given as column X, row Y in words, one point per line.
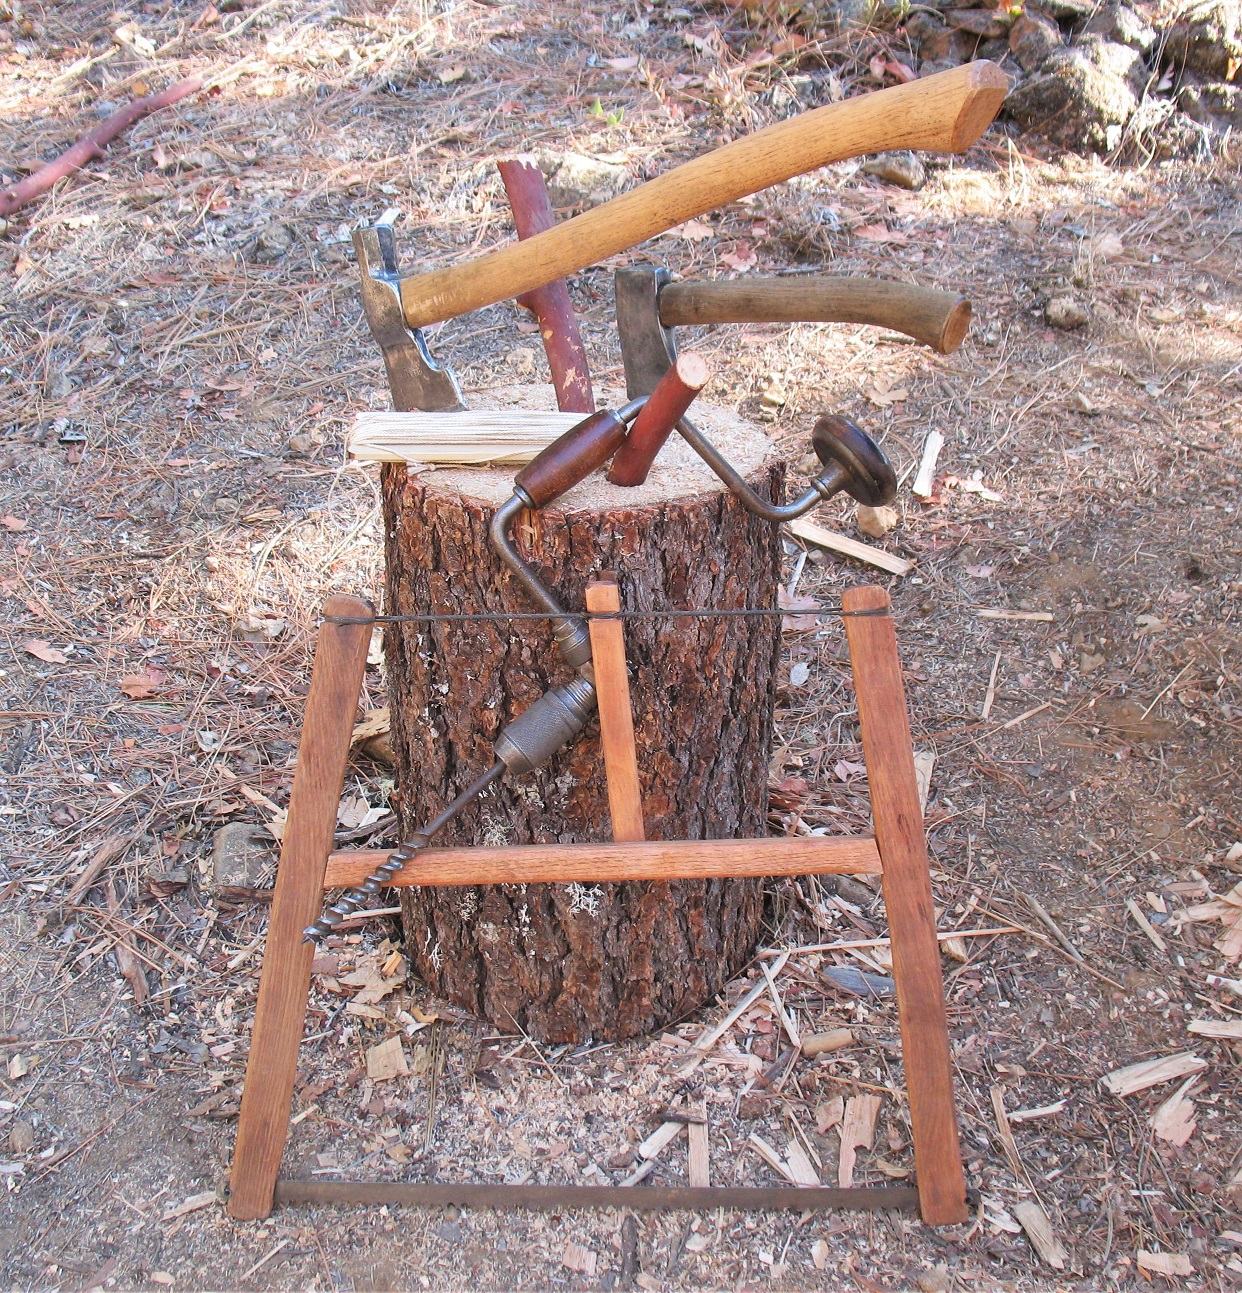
column 568, row 963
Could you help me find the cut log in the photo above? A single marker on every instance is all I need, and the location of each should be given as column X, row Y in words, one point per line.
column 577, row 961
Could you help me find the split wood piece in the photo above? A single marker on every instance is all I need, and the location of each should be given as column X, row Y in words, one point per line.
column 651, row 1198
column 466, row 437
column 858, row 1132
column 888, row 752
column 562, row 341
column 665, row 407
column 1034, row 1220
column 942, row 113
column 331, row 705
column 609, row 863
column 926, row 474
column 847, row 547
column 616, row 718
column 937, row 319
column 91, row 144
column 698, row 1166
column 1147, row 1073
column 709, row 1038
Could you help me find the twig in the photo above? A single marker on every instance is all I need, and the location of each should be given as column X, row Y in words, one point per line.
column 709, row 1039
column 1053, row 928
column 91, row 144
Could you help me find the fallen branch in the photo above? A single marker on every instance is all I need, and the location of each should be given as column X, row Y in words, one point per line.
column 91, row 145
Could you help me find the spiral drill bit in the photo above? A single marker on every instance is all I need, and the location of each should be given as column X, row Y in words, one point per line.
column 362, row 895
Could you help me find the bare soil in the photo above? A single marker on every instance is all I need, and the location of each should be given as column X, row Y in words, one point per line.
column 175, row 507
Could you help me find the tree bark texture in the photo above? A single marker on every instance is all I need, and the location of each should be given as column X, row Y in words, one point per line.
column 572, row 962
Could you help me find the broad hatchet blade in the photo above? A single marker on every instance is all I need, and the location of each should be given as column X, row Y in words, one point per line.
column 415, row 379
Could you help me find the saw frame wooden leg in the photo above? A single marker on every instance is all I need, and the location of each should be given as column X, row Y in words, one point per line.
column 284, row 981
column 905, row 874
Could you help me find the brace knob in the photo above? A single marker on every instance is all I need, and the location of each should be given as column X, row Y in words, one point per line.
column 853, row 461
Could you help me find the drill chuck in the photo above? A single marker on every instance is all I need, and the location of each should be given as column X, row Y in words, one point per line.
column 550, row 723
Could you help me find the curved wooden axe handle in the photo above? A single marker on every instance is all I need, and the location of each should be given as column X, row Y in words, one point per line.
column 937, row 319
column 943, row 113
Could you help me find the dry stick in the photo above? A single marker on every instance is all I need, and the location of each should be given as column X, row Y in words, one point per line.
column 91, row 144
column 550, row 304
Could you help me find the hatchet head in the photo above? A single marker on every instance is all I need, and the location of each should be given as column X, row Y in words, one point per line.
column 416, row 380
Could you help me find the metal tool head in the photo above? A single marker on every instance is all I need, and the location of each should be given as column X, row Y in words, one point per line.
column 647, row 346
column 866, row 473
column 416, row 380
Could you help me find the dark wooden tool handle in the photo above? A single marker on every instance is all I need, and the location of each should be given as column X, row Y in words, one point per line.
column 550, row 304
column 937, row 319
column 944, row 113
column 652, row 427
column 572, row 457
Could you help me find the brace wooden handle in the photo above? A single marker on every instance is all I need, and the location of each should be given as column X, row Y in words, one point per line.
column 944, row 113
column 572, row 457
column 937, row 319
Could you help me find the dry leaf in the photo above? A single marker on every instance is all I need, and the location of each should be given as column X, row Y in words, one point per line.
column 45, row 651
column 624, row 64
column 693, row 231
column 1107, row 245
column 142, row 686
column 387, row 1060
column 879, row 233
column 797, row 623
column 451, row 75
column 741, row 257
column 22, row 264
column 882, row 398
column 12, row 524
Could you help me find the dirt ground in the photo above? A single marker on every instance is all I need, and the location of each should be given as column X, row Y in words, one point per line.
column 183, row 348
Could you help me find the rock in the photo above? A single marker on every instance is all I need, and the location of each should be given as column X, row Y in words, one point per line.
column 1071, row 11
column 241, row 856
column 1205, row 37
column 984, row 23
column 272, row 243
column 938, row 43
column 1032, row 39
column 876, row 521
column 902, row 168
column 21, row 1137
column 577, row 180
column 1217, row 103
column 1124, row 25
column 1064, row 312
column 1082, row 97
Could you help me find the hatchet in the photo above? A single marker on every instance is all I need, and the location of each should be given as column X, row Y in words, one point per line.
column 942, row 113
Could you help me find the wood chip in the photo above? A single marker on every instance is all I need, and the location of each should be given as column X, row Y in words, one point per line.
column 847, row 547
column 1006, row 1133
column 800, row 1166
column 1034, row 1220
column 834, row 1039
column 1174, row 1120
column 857, row 1132
column 1148, row 1073
column 1145, row 925
column 829, row 1114
column 1164, row 1263
column 770, row 1157
column 1032, row 617
column 698, row 1167
column 1228, row 1029
column 580, row 1259
column 192, row 1204
column 924, row 764
column 1042, row 1111
column 387, row 1060
column 926, row 475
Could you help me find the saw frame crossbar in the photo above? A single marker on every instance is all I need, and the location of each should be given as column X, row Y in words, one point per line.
column 898, row 853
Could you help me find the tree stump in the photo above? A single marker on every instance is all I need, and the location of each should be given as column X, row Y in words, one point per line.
column 570, row 962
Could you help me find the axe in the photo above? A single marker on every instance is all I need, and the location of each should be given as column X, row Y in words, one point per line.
column 942, row 113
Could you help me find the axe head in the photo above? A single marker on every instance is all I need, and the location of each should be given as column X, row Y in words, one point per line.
column 416, row 380
column 647, row 346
